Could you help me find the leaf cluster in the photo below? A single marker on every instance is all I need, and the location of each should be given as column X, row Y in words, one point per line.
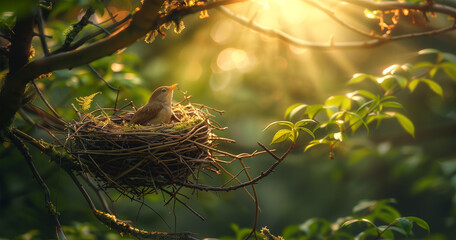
column 329, row 123
column 370, row 220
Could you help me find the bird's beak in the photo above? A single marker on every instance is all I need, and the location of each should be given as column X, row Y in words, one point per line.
column 172, row 88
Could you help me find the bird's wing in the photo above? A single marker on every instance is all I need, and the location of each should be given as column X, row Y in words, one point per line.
column 146, row 113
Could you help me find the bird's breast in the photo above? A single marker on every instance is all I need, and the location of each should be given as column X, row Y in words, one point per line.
column 163, row 116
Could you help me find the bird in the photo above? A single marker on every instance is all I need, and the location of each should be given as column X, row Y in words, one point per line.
column 158, row 108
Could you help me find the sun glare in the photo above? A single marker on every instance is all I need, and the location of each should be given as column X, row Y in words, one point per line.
column 293, row 17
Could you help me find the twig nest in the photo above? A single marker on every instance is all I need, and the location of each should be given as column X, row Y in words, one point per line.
column 137, row 160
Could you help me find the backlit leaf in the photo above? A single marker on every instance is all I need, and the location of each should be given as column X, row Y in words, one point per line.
column 304, row 122
column 366, row 94
column 429, row 51
column 392, row 104
column 450, row 69
column 314, row 143
column 390, row 69
column 359, row 77
column 423, row 65
column 405, row 122
column 281, row 135
column 313, row 110
column 293, row 109
column 283, row 123
column 413, row 84
column 435, row 87
column 308, row 131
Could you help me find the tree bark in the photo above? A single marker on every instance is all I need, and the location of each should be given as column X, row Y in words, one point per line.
column 13, row 90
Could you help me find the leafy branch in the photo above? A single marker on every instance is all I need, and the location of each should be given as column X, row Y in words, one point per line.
column 343, row 114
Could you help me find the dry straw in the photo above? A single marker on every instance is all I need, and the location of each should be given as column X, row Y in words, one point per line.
column 138, row 160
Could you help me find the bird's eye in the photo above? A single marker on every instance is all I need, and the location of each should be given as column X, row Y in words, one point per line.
column 163, row 90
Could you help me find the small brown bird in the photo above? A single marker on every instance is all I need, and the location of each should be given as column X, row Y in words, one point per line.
column 158, row 109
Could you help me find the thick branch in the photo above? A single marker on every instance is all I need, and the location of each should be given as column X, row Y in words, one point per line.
column 144, row 20
column 13, row 90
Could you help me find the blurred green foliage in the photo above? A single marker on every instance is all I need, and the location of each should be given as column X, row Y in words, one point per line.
column 308, row 192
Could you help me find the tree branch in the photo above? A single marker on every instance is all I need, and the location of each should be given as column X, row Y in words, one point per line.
column 332, row 15
column 439, row 8
column 47, row 195
column 244, row 184
column 422, row 6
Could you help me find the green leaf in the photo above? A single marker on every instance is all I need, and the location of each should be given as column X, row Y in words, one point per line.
column 336, row 102
column 360, row 119
column 405, row 224
column 386, row 233
column 282, row 135
column 313, row 110
column 397, row 229
column 449, row 57
column 420, row 222
column 283, row 123
column 405, row 122
column 359, row 77
column 392, row 104
column 433, row 71
column 293, row 109
column 450, row 69
column 390, row 69
column 402, row 81
column 429, row 51
column 308, row 131
column 360, row 220
column 413, row 84
column 304, row 122
column 434, row 86
column 314, row 143
column 364, row 205
column 423, row 65
column 367, row 94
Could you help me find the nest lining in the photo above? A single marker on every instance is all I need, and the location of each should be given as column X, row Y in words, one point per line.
column 138, row 160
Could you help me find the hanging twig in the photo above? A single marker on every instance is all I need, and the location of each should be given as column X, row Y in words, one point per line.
column 47, row 196
column 101, row 78
column 41, row 34
column 48, row 105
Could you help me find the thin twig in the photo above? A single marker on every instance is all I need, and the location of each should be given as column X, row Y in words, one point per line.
column 41, row 32
column 47, row 195
column 242, row 185
column 100, row 27
column 101, row 78
column 48, row 105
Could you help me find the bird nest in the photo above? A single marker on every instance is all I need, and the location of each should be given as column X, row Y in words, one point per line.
column 138, row 160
